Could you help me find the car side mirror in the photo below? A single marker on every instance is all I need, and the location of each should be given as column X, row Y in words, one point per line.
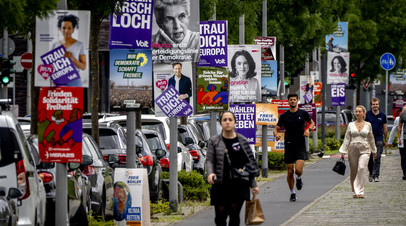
column 160, row 153
column 87, row 160
column 14, row 193
column 113, row 159
column 189, row 140
column 179, row 150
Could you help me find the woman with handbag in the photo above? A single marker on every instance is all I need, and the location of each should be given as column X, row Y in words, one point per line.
column 231, row 169
column 358, row 143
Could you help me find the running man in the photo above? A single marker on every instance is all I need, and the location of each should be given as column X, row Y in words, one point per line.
column 294, row 121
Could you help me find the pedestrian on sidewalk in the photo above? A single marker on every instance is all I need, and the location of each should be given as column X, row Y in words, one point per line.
column 227, row 151
column 294, row 121
column 380, row 130
column 358, row 144
column 402, row 139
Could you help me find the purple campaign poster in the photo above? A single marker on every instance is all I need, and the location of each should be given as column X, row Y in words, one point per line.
column 338, row 94
column 245, row 116
column 171, row 105
column 213, row 43
column 61, row 68
column 131, row 26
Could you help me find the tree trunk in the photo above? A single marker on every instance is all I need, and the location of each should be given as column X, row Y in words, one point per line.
column 94, row 72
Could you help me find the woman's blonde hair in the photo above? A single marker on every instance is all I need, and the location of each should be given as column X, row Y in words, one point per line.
column 363, row 109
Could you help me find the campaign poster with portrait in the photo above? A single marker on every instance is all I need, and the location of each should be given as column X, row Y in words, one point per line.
column 179, row 75
column 306, row 94
column 244, row 62
column 338, row 67
column 267, row 114
column 269, row 78
column 245, row 117
column 397, row 82
column 60, row 111
column 131, row 25
column 213, row 43
column 130, row 76
column 268, row 47
column 51, row 32
column 176, row 31
column 212, row 89
column 338, row 41
column 131, row 197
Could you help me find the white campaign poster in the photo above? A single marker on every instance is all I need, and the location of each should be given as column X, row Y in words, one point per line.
column 131, row 197
column 70, row 28
column 338, row 67
column 244, row 62
column 306, row 89
column 166, row 75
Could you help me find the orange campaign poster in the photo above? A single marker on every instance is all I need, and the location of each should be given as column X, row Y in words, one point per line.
column 317, row 94
column 267, row 114
column 60, row 112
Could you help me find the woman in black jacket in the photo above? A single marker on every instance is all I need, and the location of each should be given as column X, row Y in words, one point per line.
column 227, row 152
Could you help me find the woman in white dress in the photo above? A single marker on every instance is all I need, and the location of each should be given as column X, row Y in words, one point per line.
column 358, row 143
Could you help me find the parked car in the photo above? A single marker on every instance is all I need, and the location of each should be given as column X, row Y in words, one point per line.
column 79, row 187
column 330, row 118
column 187, row 137
column 150, row 161
column 112, row 141
column 100, row 175
column 206, row 118
column 8, row 207
column 155, row 141
column 17, row 168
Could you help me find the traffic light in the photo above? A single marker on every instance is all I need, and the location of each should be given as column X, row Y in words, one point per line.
column 352, row 82
column 6, row 70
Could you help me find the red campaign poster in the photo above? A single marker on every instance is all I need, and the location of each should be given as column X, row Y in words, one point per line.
column 60, row 112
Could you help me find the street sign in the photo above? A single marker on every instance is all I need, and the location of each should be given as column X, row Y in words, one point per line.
column 388, row 61
column 26, row 60
column 366, row 83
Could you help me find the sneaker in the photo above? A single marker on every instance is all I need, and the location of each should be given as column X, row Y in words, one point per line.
column 293, row 197
column 377, row 179
column 299, row 184
column 371, row 178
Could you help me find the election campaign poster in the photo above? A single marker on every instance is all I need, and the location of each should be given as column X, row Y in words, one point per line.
column 269, row 78
column 131, row 197
column 338, row 94
column 272, row 143
column 212, row 89
column 267, row 114
column 175, row 32
column 245, row 118
column 338, row 66
column 130, row 77
column 60, row 111
column 62, row 70
column 338, row 41
column 306, row 94
column 171, row 105
column 244, row 62
column 131, row 25
column 213, row 43
column 283, row 105
column 179, row 75
column 318, row 100
column 268, row 47
column 311, row 109
column 67, row 28
column 397, row 107
column 397, row 82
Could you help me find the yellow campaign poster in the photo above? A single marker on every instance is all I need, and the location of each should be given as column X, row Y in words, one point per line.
column 276, row 146
column 267, row 114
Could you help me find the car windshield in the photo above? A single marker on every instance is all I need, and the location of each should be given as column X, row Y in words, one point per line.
column 183, row 134
column 9, row 149
column 153, row 142
column 108, row 138
column 158, row 126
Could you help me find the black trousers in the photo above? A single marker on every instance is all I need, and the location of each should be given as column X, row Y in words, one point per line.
column 231, row 210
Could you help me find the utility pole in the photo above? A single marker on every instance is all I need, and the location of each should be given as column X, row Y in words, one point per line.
column 264, row 127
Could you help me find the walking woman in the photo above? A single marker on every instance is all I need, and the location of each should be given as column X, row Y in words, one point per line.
column 358, row 143
column 226, row 152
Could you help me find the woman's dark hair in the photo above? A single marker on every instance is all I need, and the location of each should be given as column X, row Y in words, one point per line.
column 251, row 63
column 341, row 61
column 71, row 18
column 222, row 113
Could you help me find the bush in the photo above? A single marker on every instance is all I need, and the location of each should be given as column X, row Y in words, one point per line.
column 194, row 185
column 159, row 206
column 275, row 161
column 332, row 144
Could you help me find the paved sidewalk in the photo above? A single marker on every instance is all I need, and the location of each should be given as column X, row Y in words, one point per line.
column 384, row 202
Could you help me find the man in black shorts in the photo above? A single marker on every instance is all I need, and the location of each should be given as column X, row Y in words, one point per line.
column 294, row 121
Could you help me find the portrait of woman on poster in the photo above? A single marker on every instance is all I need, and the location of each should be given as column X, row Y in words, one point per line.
column 121, row 200
column 309, row 88
column 338, row 66
column 243, row 71
column 75, row 49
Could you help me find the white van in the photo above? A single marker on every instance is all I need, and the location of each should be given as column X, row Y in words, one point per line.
column 18, row 169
